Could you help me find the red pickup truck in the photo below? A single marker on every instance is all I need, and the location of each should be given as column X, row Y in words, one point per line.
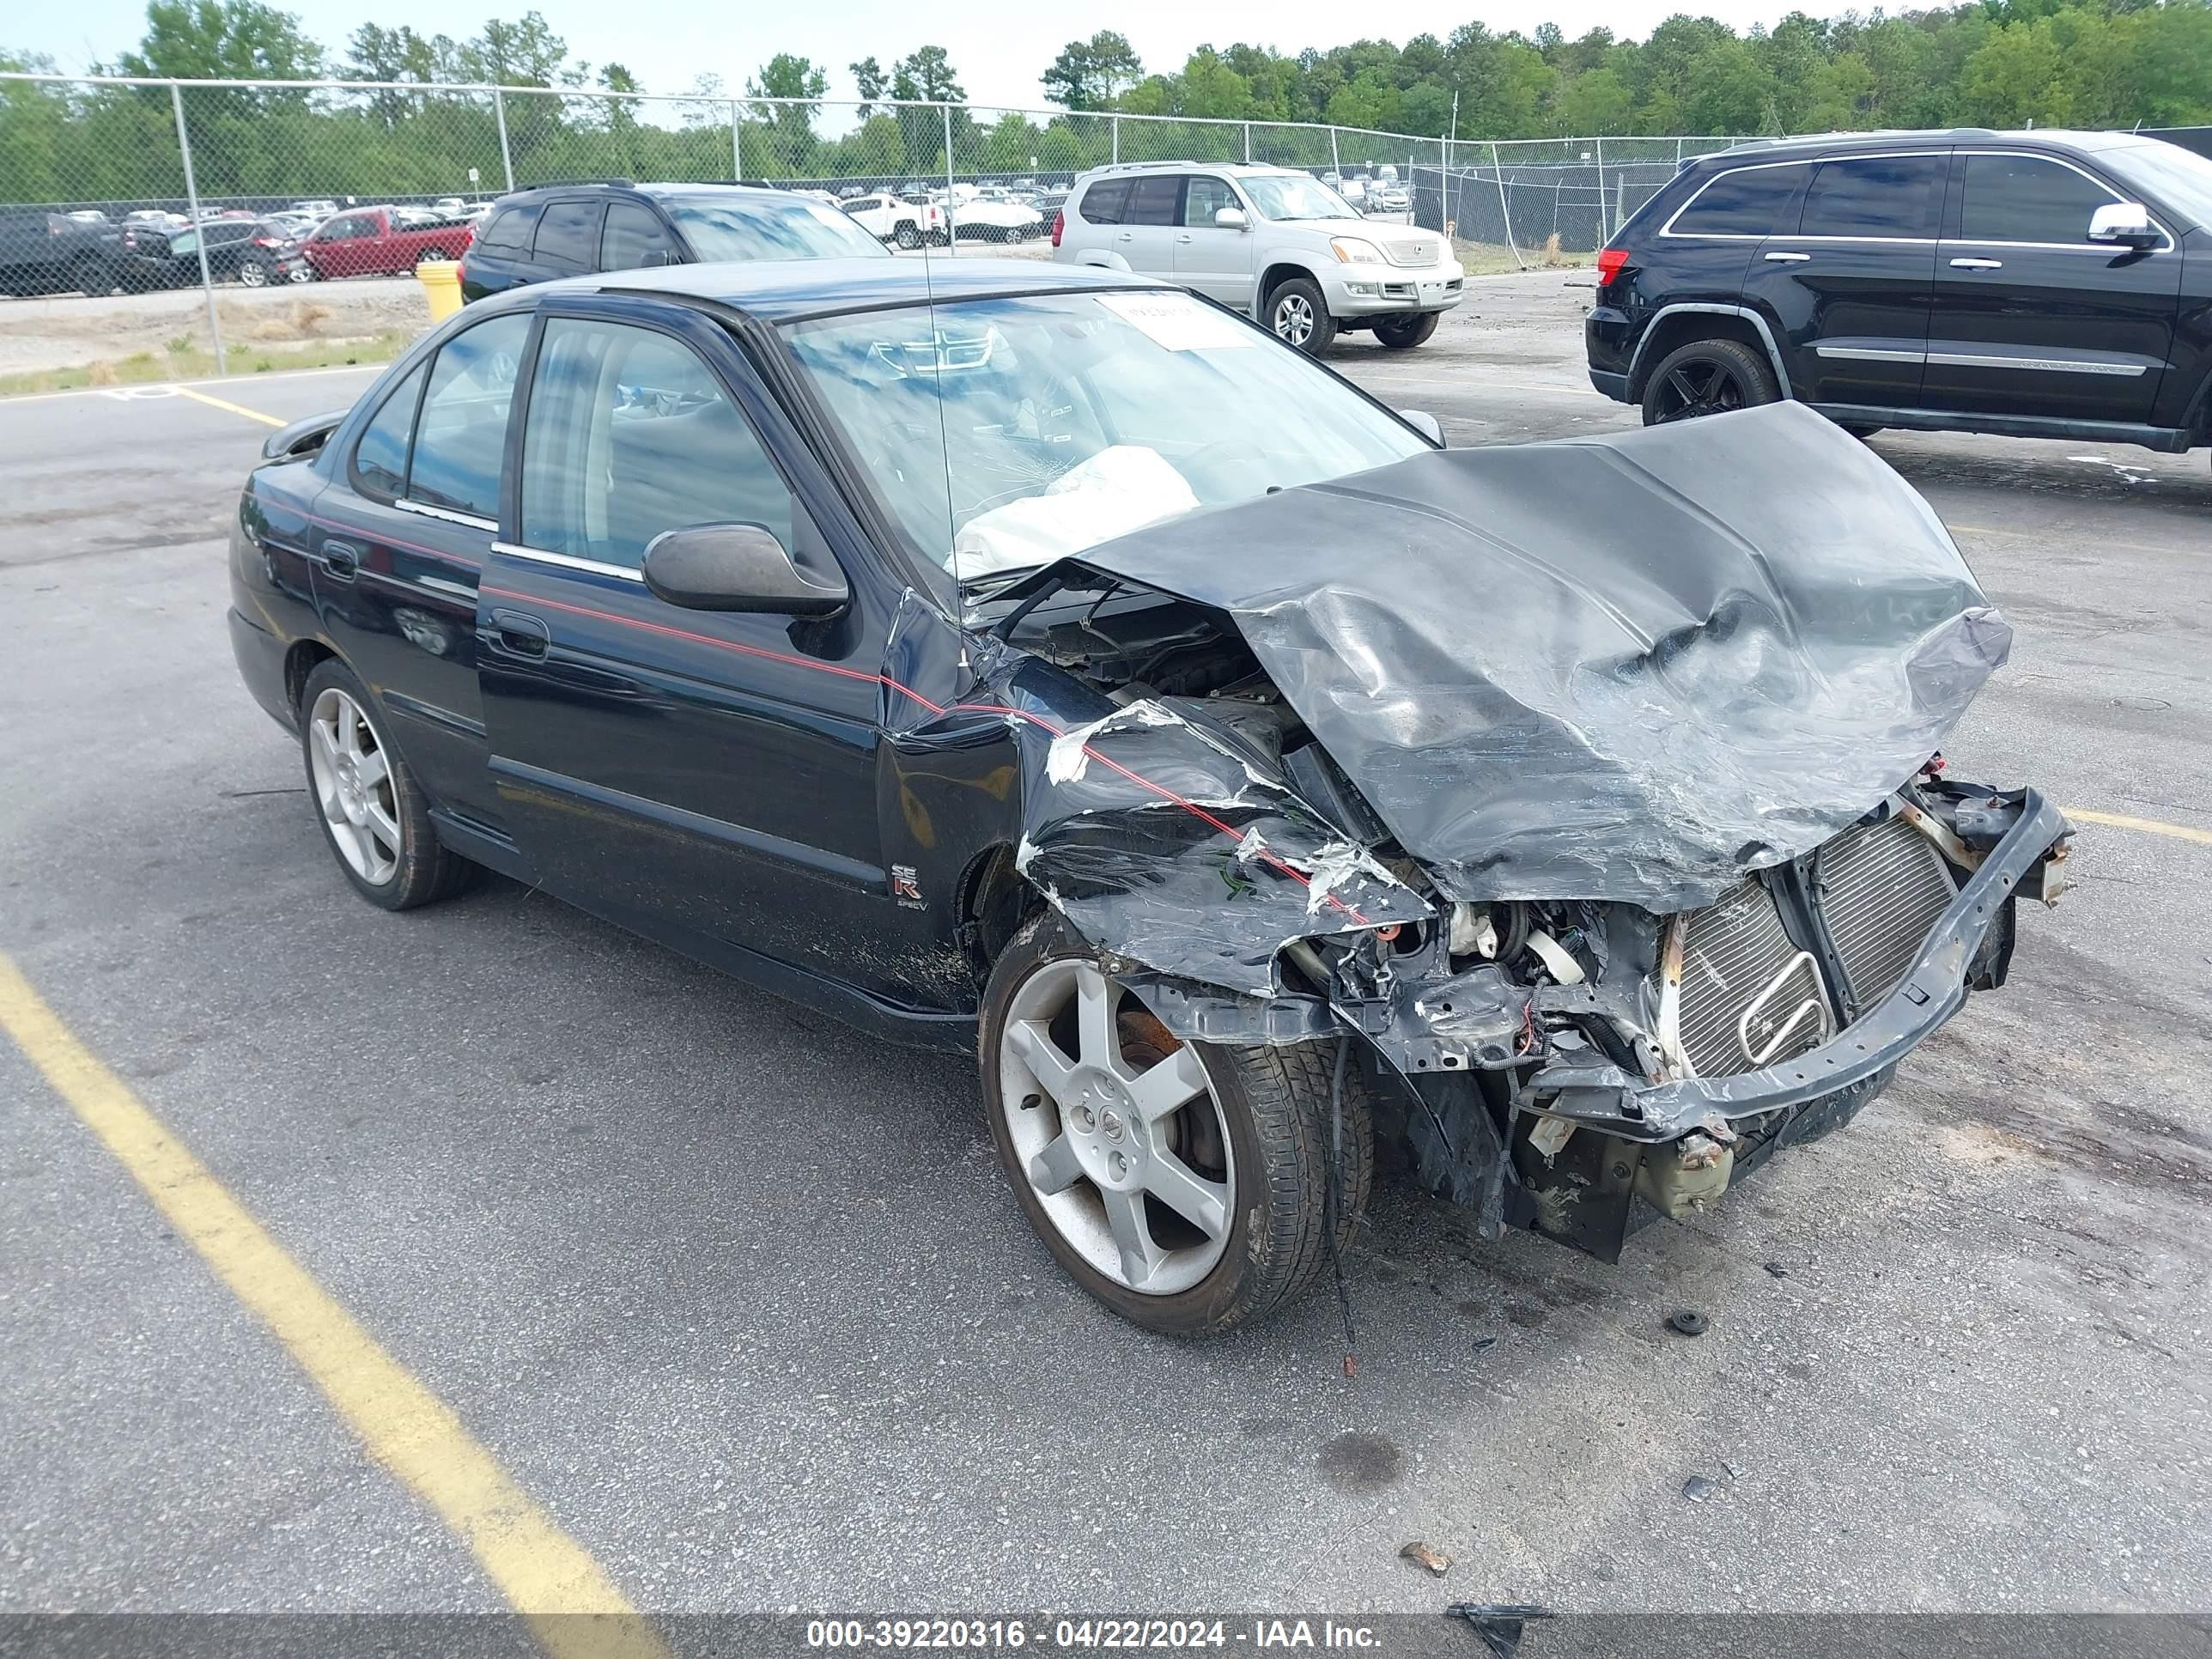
column 383, row 241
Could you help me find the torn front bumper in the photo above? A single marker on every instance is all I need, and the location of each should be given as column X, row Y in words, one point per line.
column 1933, row 988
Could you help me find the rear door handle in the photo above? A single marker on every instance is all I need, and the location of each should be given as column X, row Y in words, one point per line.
column 1788, row 258
column 341, row 560
column 1978, row 264
column 519, row 634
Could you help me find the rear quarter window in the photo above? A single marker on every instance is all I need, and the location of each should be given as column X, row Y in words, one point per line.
column 1104, row 203
column 509, row 229
column 1746, row 202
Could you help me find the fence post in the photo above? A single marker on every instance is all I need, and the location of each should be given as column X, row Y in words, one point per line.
column 1248, row 144
column 1604, row 230
column 499, row 113
column 1504, row 209
column 199, row 230
column 1678, row 150
column 736, row 142
column 951, row 202
column 1334, row 166
column 1115, row 123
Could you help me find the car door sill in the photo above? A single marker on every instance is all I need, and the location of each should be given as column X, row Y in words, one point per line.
column 476, row 840
column 894, row 1022
column 2171, row 441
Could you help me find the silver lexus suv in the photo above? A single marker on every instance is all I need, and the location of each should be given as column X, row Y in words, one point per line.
column 1272, row 241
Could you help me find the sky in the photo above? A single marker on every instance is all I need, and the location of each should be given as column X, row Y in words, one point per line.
column 999, row 53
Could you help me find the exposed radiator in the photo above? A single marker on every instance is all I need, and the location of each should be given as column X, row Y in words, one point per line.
column 1749, row 996
column 1880, row 887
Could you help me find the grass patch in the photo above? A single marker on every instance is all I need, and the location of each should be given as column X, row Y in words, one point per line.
column 188, row 361
column 1490, row 259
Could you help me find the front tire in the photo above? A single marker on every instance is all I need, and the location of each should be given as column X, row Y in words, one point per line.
column 1299, row 316
column 908, row 237
column 374, row 815
column 1708, row 377
column 1186, row 1185
column 251, row 273
column 1404, row 333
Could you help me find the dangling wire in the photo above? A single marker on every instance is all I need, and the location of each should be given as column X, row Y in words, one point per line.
column 1335, row 1205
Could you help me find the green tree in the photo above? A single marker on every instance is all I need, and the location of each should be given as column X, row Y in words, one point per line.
column 868, row 76
column 1088, row 75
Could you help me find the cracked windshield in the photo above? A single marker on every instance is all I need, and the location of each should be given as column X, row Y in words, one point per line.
column 1006, row 433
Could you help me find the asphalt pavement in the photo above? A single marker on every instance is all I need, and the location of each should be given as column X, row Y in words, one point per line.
column 738, row 1296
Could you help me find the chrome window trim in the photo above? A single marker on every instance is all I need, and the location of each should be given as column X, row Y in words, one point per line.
column 447, row 515
column 1667, row 229
column 570, row 561
column 2167, row 246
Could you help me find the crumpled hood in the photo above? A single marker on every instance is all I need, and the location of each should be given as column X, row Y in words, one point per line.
column 1629, row 668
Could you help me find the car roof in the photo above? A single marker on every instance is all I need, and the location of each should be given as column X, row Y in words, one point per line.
column 2055, row 138
column 782, row 290
column 1239, row 169
column 718, row 187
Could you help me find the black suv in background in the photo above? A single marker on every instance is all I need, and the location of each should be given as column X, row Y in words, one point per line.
column 552, row 231
column 2038, row 284
column 43, row 252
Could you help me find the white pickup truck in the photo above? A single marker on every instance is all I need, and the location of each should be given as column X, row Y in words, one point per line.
column 889, row 219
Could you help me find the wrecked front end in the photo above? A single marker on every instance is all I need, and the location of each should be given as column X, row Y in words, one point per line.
column 1588, row 791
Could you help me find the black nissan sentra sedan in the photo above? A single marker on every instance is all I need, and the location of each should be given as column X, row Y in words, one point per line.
column 1042, row 660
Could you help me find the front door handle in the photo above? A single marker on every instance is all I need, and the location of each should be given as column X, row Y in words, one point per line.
column 1185, row 237
column 1978, row 264
column 1788, row 258
column 341, row 560
column 518, row 634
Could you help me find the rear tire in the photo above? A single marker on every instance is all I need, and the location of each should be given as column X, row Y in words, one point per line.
column 374, row 815
column 1299, row 316
column 1256, row 1132
column 1858, row 428
column 908, row 237
column 1403, row 334
column 1708, row 377
column 251, row 273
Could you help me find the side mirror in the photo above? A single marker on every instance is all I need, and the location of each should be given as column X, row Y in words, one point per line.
column 1230, row 218
column 737, row 567
column 655, row 258
column 1424, row 424
column 2124, row 224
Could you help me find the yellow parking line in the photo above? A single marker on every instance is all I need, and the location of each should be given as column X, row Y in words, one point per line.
column 235, row 408
column 572, row 1606
column 2149, row 826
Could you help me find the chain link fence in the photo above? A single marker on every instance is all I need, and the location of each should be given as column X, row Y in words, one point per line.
column 110, row 183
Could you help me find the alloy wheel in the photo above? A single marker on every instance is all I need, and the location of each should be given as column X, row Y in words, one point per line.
column 1118, row 1130
column 1294, row 318
column 1702, row 385
column 353, row 786
column 251, row 274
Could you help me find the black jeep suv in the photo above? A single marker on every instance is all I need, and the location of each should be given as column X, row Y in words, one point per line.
column 552, row 231
column 2038, row 284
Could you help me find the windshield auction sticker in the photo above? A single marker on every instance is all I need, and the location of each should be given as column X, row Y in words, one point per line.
column 1179, row 322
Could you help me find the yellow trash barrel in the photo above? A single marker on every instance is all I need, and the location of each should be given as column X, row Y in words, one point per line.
column 441, row 287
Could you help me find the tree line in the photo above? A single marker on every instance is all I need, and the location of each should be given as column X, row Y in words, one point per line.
column 1996, row 63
